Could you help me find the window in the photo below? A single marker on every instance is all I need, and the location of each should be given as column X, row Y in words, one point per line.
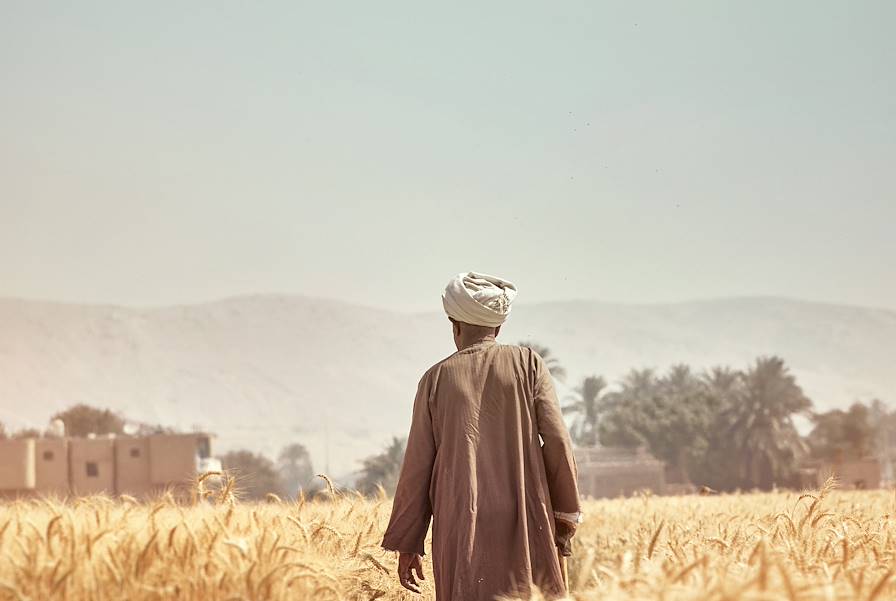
column 135, row 452
column 48, row 455
column 203, row 447
column 93, row 470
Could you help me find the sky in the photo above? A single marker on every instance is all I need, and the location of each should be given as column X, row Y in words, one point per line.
column 165, row 153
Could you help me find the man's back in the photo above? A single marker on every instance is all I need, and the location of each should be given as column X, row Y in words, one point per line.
column 475, row 462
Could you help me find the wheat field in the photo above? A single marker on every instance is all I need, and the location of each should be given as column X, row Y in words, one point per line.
column 825, row 544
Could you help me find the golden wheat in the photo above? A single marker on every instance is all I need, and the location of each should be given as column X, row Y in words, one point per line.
column 827, row 545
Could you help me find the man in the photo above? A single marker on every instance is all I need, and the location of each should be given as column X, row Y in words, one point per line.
column 502, row 503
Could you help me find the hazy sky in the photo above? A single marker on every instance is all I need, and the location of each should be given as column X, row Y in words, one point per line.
column 631, row 151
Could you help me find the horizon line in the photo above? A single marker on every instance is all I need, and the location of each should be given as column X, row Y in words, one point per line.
column 436, row 308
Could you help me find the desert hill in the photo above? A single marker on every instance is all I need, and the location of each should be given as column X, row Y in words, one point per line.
column 262, row 371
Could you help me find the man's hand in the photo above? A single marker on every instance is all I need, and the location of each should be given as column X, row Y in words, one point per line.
column 563, row 537
column 407, row 564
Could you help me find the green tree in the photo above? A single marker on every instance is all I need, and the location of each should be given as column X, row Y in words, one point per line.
column 294, row 467
column 28, row 433
column 724, row 383
column 552, row 363
column 691, row 408
column 255, row 474
column 585, row 409
column 81, row 420
column 839, row 434
column 720, row 463
column 672, row 415
column 627, row 416
column 382, row 469
column 758, row 429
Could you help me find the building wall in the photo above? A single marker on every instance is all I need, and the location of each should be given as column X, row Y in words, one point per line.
column 606, row 472
column 92, row 465
column 51, row 466
column 132, row 462
column 138, row 466
column 608, row 481
column 857, row 473
column 17, row 465
column 172, row 458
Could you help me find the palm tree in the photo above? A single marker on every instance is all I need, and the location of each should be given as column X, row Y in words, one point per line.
column 639, row 383
column 553, row 364
column 585, row 407
column 759, row 427
column 683, row 402
column 627, row 414
column 720, row 464
column 723, row 381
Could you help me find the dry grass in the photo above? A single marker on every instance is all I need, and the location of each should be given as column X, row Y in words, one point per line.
column 827, row 545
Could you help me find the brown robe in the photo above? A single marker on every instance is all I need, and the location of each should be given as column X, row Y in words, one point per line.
column 474, row 462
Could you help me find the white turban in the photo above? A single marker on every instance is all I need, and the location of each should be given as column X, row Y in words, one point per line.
column 478, row 299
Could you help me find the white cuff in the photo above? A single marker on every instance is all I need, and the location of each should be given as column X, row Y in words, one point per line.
column 572, row 518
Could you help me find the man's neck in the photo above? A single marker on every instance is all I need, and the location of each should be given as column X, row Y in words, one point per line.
column 468, row 341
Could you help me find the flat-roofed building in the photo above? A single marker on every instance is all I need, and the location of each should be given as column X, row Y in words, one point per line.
column 852, row 473
column 140, row 466
column 132, row 462
column 175, row 459
column 858, row 473
column 17, row 475
column 92, row 465
column 606, row 472
column 51, row 466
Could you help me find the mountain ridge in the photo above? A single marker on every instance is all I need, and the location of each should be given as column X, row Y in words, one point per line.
column 265, row 370
column 573, row 301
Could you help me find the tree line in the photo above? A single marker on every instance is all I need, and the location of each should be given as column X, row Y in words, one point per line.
column 724, row 428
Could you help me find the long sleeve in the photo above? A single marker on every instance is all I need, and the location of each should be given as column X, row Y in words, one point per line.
column 559, row 460
column 412, row 509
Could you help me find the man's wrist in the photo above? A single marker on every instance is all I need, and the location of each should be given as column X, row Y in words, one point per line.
column 572, row 518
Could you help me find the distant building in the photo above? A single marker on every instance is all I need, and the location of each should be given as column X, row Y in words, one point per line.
column 866, row 472
column 17, row 464
column 136, row 465
column 606, row 472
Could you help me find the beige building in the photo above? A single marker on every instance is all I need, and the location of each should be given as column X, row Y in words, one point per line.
column 606, row 472
column 92, row 465
column 51, row 466
column 174, row 458
column 850, row 473
column 17, row 471
column 133, row 465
